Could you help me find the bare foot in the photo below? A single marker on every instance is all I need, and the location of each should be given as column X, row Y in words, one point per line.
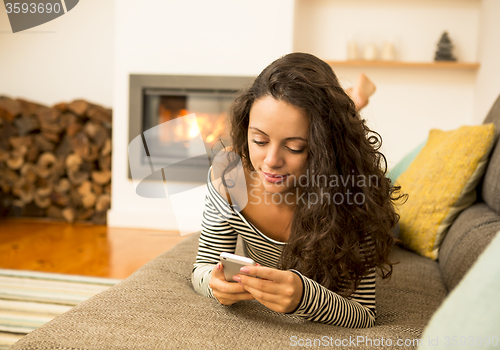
column 362, row 91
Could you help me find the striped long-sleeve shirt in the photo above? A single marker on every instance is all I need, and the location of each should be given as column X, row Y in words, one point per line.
column 221, row 225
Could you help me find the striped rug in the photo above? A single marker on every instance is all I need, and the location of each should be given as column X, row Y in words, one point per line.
column 29, row 299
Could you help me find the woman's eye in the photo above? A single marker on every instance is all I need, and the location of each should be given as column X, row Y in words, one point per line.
column 295, row 150
column 260, row 143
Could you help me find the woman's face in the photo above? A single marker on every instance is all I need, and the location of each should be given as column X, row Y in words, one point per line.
column 278, row 135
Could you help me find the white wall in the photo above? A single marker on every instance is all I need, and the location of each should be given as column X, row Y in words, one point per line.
column 220, row 37
column 67, row 58
column 408, row 101
column 488, row 79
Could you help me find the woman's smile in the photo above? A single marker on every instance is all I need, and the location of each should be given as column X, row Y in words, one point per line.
column 274, row 178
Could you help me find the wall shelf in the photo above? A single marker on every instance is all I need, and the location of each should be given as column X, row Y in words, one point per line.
column 401, row 64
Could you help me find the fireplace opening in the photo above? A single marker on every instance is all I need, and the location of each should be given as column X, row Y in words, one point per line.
column 157, row 99
column 210, row 108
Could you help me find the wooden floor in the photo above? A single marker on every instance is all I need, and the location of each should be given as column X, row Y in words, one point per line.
column 80, row 249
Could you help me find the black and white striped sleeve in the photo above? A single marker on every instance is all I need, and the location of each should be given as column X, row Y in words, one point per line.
column 320, row 304
column 217, row 236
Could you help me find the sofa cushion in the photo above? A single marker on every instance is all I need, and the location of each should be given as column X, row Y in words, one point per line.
column 491, row 185
column 441, row 182
column 469, row 316
column 471, row 232
column 157, row 308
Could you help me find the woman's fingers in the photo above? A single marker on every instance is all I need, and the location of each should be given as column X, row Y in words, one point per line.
column 267, row 273
column 226, row 292
column 279, row 290
column 234, row 297
column 278, row 303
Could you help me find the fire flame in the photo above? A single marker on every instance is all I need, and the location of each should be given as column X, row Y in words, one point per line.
column 210, row 125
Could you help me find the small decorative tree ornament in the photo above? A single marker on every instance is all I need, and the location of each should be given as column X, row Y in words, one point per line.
column 444, row 50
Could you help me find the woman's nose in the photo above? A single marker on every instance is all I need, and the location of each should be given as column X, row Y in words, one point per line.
column 273, row 158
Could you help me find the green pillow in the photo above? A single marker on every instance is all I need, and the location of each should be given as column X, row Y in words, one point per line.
column 469, row 317
column 404, row 163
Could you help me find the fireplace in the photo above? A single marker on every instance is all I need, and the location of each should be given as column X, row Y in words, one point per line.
column 161, row 114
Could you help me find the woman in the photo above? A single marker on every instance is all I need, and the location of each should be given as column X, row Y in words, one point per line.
column 314, row 223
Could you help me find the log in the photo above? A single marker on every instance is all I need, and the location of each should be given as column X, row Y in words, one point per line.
column 61, row 107
column 63, row 186
column 92, row 155
column 19, row 141
column 88, row 201
column 88, row 197
column 4, row 155
column 42, row 202
column 106, row 148
column 80, row 144
column 98, row 190
column 71, row 123
column 57, row 171
column 79, row 107
column 100, row 114
column 85, row 188
column 6, row 132
column 75, row 198
column 60, row 199
column 104, row 162
column 29, row 108
column 103, row 203
column 24, row 190
column 8, row 178
column 44, row 191
column 9, row 108
column 101, row 177
column 32, row 155
column 64, row 148
column 47, row 116
column 28, row 171
column 45, row 165
column 15, row 163
column 87, row 167
column 77, row 178
column 85, row 214
column 96, row 132
column 69, row 214
column 73, row 163
column 43, row 144
column 51, row 136
column 26, row 124
column 54, row 212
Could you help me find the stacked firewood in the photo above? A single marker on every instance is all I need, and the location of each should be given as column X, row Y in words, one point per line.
column 55, row 161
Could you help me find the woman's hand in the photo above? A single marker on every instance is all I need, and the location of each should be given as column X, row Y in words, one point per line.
column 279, row 290
column 227, row 293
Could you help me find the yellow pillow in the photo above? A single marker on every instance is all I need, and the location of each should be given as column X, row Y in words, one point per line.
column 441, row 182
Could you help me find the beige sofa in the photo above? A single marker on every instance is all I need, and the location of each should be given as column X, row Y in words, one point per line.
column 157, row 308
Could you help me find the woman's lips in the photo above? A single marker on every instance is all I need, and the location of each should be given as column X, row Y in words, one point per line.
column 274, row 179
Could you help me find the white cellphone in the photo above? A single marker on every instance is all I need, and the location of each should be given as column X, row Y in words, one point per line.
column 232, row 264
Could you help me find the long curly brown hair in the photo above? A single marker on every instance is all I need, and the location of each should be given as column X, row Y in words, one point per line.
column 334, row 244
